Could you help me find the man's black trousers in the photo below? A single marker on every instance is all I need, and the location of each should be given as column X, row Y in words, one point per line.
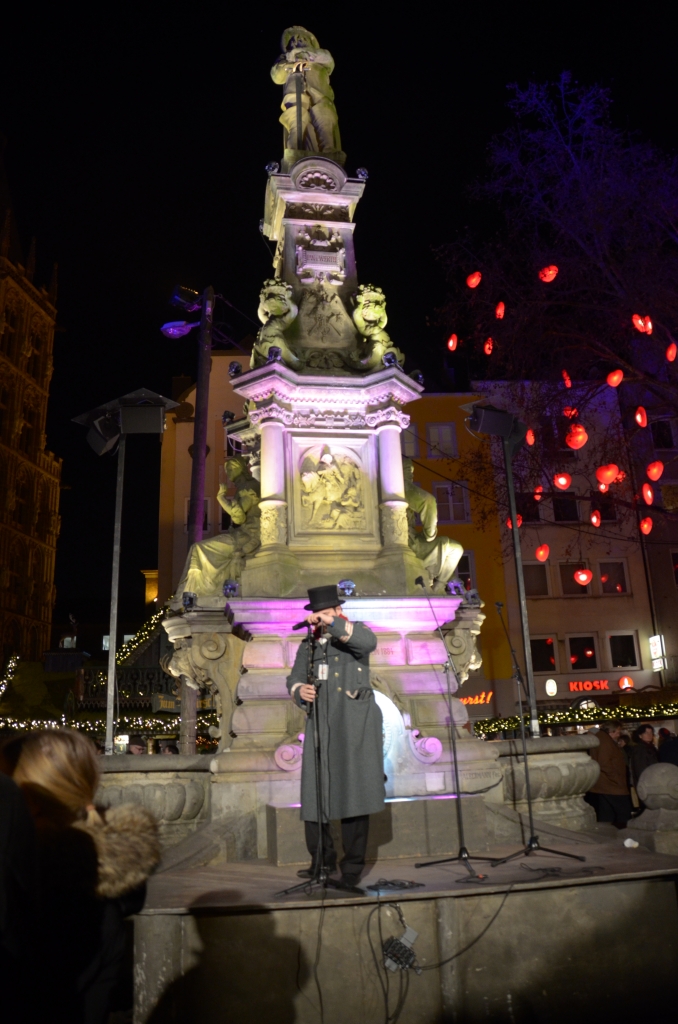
column 354, row 832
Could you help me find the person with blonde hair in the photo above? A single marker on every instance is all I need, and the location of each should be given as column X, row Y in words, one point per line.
column 93, row 864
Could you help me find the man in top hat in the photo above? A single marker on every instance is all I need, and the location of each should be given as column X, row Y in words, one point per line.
column 350, row 731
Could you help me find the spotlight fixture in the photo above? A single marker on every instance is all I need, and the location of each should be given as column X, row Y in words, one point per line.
column 189, row 600
column 418, row 377
column 230, row 588
column 103, row 433
column 186, row 298
column 178, row 328
column 227, row 417
column 389, row 359
column 234, row 369
column 272, row 168
column 362, row 173
column 346, row 587
column 274, row 354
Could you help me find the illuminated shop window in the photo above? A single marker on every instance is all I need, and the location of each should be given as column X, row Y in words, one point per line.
column 582, row 653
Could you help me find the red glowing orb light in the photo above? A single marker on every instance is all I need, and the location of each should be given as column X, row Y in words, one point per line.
column 642, row 323
column 603, row 488
column 625, row 683
column 615, row 378
column 538, row 491
column 621, row 475
column 566, row 378
column 606, row 474
column 583, row 577
column 646, row 525
column 648, row 494
column 640, row 416
column 576, row 436
column 500, row 310
column 589, row 653
column 655, row 470
column 672, row 352
column 452, row 342
column 529, row 436
column 519, row 520
column 548, row 274
column 488, row 346
column 542, row 552
column 474, row 279
column 562, row 481
column 595, row 518
column 604, row 578
column 569, row 412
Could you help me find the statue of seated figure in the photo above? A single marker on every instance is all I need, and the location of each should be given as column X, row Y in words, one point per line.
column 211, row 562
column 440, row 555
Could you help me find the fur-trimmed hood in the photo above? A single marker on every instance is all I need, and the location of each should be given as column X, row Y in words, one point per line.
column 127, row 846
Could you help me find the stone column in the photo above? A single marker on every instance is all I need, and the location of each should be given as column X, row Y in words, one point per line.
column 273, row 505
column 393, row 506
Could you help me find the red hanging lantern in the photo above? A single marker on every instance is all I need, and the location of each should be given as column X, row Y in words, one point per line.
column 626, row 683
column 566, row 379
column 648, row 494
column 562, row 481
column 452, row 342
column 606, row 474
column 474, row 279
column 640, row 416
column 576, row 436
column 672, row 352
column 519, row 520
column 583, row 576
column 595, row 517
column 615, row 378
column 655, row 470
column 642, row 323
column 538, row 492
column 569, row 412
column 621, row 475
column 548, row 274
column 500, row 310
column 603, row 488
column 529, row 436
column 542, row 552
column 646, row 525
column 488, row 346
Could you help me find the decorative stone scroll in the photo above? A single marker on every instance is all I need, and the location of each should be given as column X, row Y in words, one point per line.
column 288, row 756
column 426, row 749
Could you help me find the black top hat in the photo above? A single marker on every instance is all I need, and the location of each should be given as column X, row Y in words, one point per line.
column 323, row 597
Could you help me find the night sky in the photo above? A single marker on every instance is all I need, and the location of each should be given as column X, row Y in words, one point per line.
column 136, row 147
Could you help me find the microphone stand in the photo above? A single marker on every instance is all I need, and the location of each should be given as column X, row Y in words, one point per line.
column 533, row 845
column 320, row 878
column 462, row 856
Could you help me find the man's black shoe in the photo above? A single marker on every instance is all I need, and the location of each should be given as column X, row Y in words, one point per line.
column 309, row 872
column 350, row 884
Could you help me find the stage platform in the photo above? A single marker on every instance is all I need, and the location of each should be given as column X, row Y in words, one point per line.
column 542, row 939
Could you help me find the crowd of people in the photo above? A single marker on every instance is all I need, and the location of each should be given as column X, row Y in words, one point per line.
column 623, row 758
column 70, row 873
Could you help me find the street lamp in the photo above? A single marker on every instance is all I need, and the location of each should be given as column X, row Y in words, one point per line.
column 485, row 419
column 140, row 412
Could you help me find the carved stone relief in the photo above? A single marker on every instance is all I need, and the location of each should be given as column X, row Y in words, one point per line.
column 332, row 491
column 394, row 524
column 273, row 522
column 321, row 255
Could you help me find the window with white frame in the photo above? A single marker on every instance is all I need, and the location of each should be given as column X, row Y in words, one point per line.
column 466, row 570
column 582, row 652
column 452, row 502
column 441, row 440
column 536, row 578
column 613, row 578
column 569, row 586
column 623, row 649
column 409, row 442
column 544, row 653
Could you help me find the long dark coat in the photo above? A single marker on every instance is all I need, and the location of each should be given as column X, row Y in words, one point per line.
column 351, row 744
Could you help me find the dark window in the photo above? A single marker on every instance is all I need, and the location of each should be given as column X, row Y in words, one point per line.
column 605, row 503
column 528, row 508
column 28, row 429
column 623, row 651
column 22, row 507
column 8, row 335
column 613, row 578
column 451, row 501
column 568, row 583
column 543, row 655
column 662, row 434
column 565, row 508
column 464, row 572
column 536, row 580
column 34, row 366
column 582, row 653
column 674, row 563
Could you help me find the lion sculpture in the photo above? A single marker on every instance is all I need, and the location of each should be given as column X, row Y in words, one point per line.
column 277, row 310
column 369, row 316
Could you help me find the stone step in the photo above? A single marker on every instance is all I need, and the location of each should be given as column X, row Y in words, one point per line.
column 407, row 827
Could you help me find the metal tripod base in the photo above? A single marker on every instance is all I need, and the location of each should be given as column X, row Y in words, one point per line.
column 322, row 881
column 463, row 857
column 533, row 846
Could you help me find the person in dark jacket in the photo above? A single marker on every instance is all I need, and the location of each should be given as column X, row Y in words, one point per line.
column 643, row 752
column 18, row 920
column 351, row 745
column 610, row 794
column 92, row 869
column 668, row 752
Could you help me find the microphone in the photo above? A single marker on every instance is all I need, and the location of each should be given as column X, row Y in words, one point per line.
column 301, row 625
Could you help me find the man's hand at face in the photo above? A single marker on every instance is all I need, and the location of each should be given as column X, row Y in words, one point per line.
column 307, row 692
column 325, row 617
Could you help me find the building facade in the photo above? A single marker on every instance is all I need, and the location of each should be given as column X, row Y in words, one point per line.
column 29, row 475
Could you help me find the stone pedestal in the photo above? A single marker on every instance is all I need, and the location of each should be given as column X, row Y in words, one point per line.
column 657, row 827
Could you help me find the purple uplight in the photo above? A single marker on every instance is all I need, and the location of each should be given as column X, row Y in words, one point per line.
column 178, row 328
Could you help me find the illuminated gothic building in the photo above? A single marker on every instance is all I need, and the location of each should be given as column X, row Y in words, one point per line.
column 29, row 475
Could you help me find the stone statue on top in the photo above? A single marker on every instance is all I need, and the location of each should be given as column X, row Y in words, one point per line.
column 303, row 70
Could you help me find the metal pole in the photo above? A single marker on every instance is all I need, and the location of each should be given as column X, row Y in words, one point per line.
column 115, row 586
column 196, row 511
column 522, row 600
